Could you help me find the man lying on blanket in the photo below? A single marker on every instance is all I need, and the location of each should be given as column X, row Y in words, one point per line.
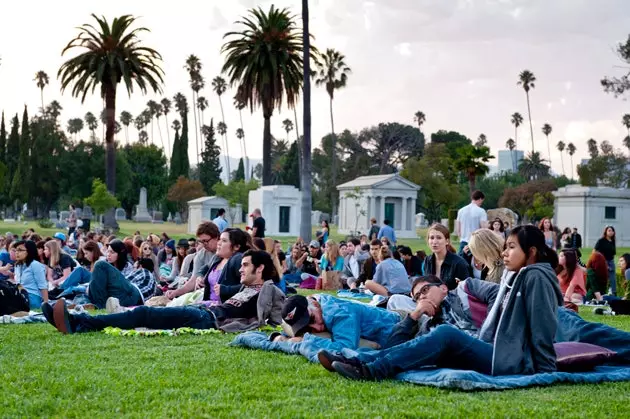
column 255, row 267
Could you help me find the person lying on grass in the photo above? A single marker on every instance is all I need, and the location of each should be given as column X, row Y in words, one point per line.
column 516, row 338
column 256, row 266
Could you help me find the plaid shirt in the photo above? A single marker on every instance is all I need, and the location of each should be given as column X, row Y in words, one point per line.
column 145, row 282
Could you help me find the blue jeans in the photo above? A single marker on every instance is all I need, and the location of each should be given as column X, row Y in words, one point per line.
column 79, row 276
column 444, row 347
column 35, row 301
column 150, row 317
column 107, row 281
column 292, row 278
column 612, row 277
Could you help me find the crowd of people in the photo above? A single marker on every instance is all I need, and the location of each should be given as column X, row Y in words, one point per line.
column 232, row 279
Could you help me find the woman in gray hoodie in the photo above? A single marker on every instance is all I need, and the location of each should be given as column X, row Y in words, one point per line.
column 516, row 337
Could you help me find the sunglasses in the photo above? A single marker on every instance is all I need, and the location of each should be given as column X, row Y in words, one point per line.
column 424, row 291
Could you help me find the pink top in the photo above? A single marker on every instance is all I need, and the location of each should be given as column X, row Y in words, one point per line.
column 577, row 281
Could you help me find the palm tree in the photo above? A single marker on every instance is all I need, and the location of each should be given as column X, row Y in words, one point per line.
column 193, row 66
column 511, row 145
column 202, row 105
column 287, row 125
column 153, row 109
column 220, row 86
column 263, row 63
column 561, row 146
column 240, row 105
column 222, row 129
column 625, row 121
column 534, row 167
column 176, row 125
column 482, row 140
column 140, row 122
column 517, row 120
column 166, row 109
column 332, row 72
column 472, row 161
column 593, row 151
column 53, row 110
column 571, row 151
column 305, row 173
column 526, row 79
column 126, row 118
column 75, row 125
column 546, row 129
column 42, row 80
column 113, row 55
column 419, row 118
column 92, row 123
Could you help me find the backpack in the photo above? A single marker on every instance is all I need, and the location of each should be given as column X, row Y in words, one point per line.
column 13, row 298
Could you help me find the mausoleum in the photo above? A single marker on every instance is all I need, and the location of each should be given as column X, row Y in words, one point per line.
column 206, row 209
column 280, row 206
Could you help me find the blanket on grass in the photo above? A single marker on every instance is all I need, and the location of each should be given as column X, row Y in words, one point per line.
column 354, row 295
column 441, row 377
column 144, row 332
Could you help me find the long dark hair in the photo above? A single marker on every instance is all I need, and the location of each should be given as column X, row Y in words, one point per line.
column 529, row 237
column 121, row 249
column 567, row 271
column 614, row 237
column 238, row 238
column 31, row 250
column 626, row 257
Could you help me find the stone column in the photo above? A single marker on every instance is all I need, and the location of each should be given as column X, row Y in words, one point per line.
column 372, row 210
column 342, row 212
column 380, row 222
column 403, row 215
column 413, row 211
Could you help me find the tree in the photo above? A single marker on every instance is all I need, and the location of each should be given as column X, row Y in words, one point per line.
column 92, row 123
column 472, row 161
column 210, row 166
column 571, row 150
column 263, row 62
column 517, row 120
column 101, row 199
column 593, row 151
column 521, row 198
column 21, row 183
column 13, row 150
column 42, row 80
column 526, row 79
column 625, row 121
column 183, row 163
column 182, row 191
column 452, row 139
column 236, row 193
column 534, row 167
column 220, row 86
column 332, row 72
column 419, row 118
column 125, row 119
column 290, row 167
column 511, row 145
column 482, row 140
column 239, row 173
column 202, row 105
column 392, row 144
column 561, row 146
column 3, row 143
column 193, row 66
column 240, row 133
column 287, row 125
column 166, row 109
column 619, row 85
column 114, row 54
column 306, row 177
column 546, row 129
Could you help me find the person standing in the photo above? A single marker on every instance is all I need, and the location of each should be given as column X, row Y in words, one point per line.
column 607, row 247
column 470, row 218
column 373, row 230
column 258, row 225
column 220, row 221
column 576, row 239
column 387, row 231
column 72, row 219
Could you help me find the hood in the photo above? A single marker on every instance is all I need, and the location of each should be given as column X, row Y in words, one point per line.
column 547, row 274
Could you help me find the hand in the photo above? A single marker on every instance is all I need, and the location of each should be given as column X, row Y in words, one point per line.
column 296, row 339
column 200, row 283
column 170, row 294
column 280, row 338
column 217, row 289
column 425, row 306
column 466, row 249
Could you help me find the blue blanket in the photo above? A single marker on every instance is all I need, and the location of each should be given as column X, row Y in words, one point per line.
column 443, row 377
column 355, row 295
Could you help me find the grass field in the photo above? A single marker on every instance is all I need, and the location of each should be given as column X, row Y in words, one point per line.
column 46, row 374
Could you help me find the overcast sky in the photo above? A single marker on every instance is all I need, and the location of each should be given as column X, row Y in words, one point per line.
column 456, row 60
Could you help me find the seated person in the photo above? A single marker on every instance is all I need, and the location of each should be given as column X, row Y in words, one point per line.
column 255, row 267
column 390, row 276
column 30, row 273
column 298, row 255
column 596, row 277
column 369, row 266
column 571, row 277
column 7, row 260
column 143, row 279
column 311, row 261
column 413, row 265
column 331, row 260
column 443, row 262
column 60, row 264
column 353, row 262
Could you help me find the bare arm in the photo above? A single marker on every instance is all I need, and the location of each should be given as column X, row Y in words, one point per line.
column 458, row 228
column 66, row 273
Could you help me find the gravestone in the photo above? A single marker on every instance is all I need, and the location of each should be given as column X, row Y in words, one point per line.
column 142, row 214
column 28, row 214
column 52, row 215
column 79, row 213
column 316, row 218
column 178, row 218
column 62, row 223
column 87, row 213
column 420, row 220
column 120, row 215
column 170, row 217
column 158, row 217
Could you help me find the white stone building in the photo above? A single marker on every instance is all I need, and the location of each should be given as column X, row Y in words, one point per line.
column 206, row 208
column 280, row 206
column 590, row 209
column 383, row 197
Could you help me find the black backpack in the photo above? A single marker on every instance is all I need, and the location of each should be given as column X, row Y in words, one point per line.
column 13, row 298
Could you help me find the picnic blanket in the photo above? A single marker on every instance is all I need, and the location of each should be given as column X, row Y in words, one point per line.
column 443, row 377
column 356, row 295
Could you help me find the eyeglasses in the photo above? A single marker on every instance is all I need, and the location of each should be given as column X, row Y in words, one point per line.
column 424, row 291
column 20, row 250
column 205, row 241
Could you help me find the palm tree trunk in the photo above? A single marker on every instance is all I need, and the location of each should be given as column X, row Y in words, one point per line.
column 266, row 174
column 225, row 139
column 562, row 162
column 42, row 96
column 109, row 220
column 247, row 172
column 160, row 132
column 529, row 114
column 305, row 178
column 472, row 183
column 571, row 167
column 549, row 150
column 168, row 138
column 127, row 134
column 513, row 161
column 297, row 139
column 333, row 196
column 196, row 128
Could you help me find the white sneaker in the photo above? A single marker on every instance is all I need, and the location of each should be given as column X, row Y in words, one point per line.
column 112, row 305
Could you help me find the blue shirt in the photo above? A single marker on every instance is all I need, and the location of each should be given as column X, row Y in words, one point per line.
column 392, row 274
column 32, row 277
column 387, row 231
column 5, row 258
column 221, row 223
column 324, row 264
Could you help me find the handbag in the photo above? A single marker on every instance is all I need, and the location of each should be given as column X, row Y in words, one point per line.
column 331, row 280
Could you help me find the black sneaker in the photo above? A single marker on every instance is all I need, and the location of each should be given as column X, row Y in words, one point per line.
column 327, row 358
column 352, row 371
column 62, row 318
column 47, row 311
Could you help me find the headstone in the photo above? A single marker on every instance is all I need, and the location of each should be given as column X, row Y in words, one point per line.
column 178, row 218
column 158, row 217
column 142, row 214
column 63, row 216
column 420, row 220
column 170, row 217
column 120, row 215
column 316, row 218
column 79, row 212
column 87, row 212
column 52, row 215
column 325, row 216
column 28, row 214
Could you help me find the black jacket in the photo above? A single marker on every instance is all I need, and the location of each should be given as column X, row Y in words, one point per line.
column 454, row 267
column 576, row 241
column 413, row 266
column 230, row 279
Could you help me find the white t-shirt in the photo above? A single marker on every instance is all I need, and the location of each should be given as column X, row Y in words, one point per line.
column 470, row 218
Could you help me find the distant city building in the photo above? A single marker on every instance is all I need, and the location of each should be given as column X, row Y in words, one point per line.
column 509, row 160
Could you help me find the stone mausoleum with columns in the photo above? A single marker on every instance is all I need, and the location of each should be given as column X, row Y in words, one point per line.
column 383, row 197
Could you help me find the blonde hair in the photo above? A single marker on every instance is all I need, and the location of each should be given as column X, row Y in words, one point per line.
column 55, row 253
column 270, row 247
column 384, row 253
column 332, row 253
column 487, row 247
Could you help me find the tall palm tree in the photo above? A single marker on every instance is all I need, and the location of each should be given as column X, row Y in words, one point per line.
column 626, row 142
column 166, row 109
column 42, row 80
column 193, row 66
column 517, row 120
column 113, row 54
column 240, row 105
column 152, row 110
column 305, row 173
column 263, row 61
column 75, row 125
column 287, row 125
column 140, row 122
column 561, row 146
column 220, row 86
column 593, row 151
column 526, row 79
column 126, row 118
column 511, row 145
column 482, row 140
column 92, row 123
column 332, row 72
column 546, row 129
column 202, row 105
column 176, row 125
column 53, row 110
column 534, row 167
column 222, row 129
column 571, row 150
column 419, row 118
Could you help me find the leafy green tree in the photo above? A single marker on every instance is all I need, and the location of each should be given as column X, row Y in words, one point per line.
column 3, row 161
column 542, row 206
column 183, row 163
column 49, row 145
column 521, row 198
column 176, row 161
column 112, row 55
column 482, row 140
column 264, row 62
column 619, row 85
column 3, row 140
column 391, row 144
column 606, row 169
column 182, row 191
column 239, row 173
column 166, row 109
column 452, row 140
column 13, row 149
column 593, row 151
column 210, row 166
column 472, row 161
column 534, row 167
column 235, row 193
column 21, row 183
column 101, row 199
column 287, row 125
column 291, row 167
column 526, row 79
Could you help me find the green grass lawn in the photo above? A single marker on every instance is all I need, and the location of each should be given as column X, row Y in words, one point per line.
column 48, row 374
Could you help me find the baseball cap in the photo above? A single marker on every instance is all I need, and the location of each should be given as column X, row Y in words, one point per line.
column 295, row 315
column 60, row 236
column 314, row 243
